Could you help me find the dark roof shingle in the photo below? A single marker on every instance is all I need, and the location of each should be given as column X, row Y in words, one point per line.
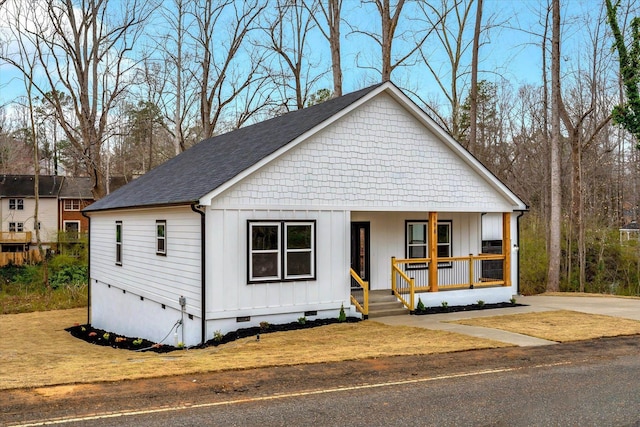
column 22, row 185
column 211, row 163
column 76, row 188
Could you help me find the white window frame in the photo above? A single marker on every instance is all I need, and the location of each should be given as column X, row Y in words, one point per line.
column 447, row 223
column 410, row 244
column 16, row 204
column 71, row 204
column 163, row 238
column 18, row 227
column 119, row 245
column 277, row 251
column 282, row 251
column 310, row 250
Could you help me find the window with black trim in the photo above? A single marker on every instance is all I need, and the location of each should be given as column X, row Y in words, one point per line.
column 118, row 242
column 161, row 237
column 16, row 226
column 281, row 251
column 417, row 241
column 16, row 204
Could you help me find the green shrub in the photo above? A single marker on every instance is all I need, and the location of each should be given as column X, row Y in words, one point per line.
column 68, row 275
column 342, row 317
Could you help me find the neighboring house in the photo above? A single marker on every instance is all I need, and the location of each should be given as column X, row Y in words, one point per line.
column 17, row 210
column 630, row 231
column 293, row 216
column 74, row 196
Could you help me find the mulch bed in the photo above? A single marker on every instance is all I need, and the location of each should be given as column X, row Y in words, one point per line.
column 470, row 307
column 101, row 337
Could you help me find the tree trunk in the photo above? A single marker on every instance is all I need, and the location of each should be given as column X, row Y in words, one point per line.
column 334, row 43
column 473, row 96
column 553, row 273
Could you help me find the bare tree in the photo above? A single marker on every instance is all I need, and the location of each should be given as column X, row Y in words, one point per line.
column 450, row 23
column 473, row 95
column 85, row 53
column 226, row 72
column 292, row 70
column 389, row 18
column 331, row 11
column 553, row 273
column 584, row 119
column 29, row 59
column 179, row 95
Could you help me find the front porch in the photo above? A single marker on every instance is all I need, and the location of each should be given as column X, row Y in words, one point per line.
column 465, row 279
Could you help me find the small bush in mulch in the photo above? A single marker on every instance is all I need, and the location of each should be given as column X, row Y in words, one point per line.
column 101, row 337
column 445, row 308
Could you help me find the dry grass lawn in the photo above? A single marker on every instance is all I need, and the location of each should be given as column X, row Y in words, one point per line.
column 35, row 350
column 560, row 326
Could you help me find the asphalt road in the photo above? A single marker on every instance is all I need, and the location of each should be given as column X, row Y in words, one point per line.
column 595, row 383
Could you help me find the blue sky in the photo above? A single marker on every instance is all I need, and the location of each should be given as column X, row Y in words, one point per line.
column 510, row 51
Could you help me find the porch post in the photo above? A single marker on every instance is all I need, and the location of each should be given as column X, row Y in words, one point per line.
column 506, row 247
column 432, row 242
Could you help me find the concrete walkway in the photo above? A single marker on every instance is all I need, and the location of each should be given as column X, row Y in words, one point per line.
column 610, row 306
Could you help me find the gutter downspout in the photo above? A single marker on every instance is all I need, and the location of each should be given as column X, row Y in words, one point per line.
column 518, row 256
column 88, row 266
column 203, row 285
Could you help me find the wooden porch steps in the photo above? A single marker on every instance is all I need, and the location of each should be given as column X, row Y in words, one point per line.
column 382, row 303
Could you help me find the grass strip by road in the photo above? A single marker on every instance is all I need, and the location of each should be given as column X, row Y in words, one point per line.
column 559, row 326
column 35, row 350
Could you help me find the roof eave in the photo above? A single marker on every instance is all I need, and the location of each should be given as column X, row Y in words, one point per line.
column 89, row 210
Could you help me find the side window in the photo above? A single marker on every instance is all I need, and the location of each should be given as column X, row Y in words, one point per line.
column 416, row 240
column 16, row 226
column 444, row 240
column 299, row 256
column 161, row 237
column 72, row 205
column 264, row 251
column 281, row 251
column 118, row 242
column 16, row 204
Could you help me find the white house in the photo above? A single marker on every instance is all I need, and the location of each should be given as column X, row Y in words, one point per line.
column 283, row 218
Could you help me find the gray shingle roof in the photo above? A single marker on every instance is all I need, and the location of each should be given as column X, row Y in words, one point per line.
column 22, row 185
column 76, row 188
column 209, row 164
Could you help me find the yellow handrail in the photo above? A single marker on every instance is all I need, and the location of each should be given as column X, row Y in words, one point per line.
column 394, row 286
column 399, row 266
column 364, row 308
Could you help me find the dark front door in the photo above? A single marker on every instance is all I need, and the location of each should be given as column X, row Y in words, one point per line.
column 360, row 249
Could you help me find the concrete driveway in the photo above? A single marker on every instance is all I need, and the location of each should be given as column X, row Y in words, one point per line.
column 627, row 308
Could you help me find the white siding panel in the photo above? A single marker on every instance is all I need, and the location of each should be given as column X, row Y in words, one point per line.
column 387, row 235
column 162, row 279
column 229, row 293
column 378, row 157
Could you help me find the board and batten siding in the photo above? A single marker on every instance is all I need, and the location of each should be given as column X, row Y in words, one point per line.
column 377, row 157
column 144, row 276
column 388, row 238
column 230, row 295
